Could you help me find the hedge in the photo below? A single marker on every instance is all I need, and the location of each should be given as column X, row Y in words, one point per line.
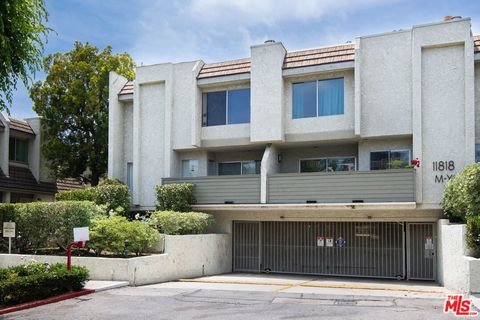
column 177, row 223
column 46, row 224
column 109, row 234
column 461, row 197
column 113, row 196
column 175, row 197
column 26, row 283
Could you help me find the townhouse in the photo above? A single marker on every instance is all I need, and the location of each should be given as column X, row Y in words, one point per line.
column 326, row 161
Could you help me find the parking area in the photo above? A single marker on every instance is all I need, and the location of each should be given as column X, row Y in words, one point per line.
column 255, row 296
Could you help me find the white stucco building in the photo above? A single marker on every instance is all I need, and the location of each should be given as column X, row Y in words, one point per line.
column 305, row 156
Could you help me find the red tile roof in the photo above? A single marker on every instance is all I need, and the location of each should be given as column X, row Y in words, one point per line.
column 22, row 180
column 476, row 44
column 69, row 184
column 127, row 88
column 314, row 57
column 225, row 68
column 21, row 125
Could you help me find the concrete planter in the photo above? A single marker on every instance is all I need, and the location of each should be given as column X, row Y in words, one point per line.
column 185, row 256
column 457, row 271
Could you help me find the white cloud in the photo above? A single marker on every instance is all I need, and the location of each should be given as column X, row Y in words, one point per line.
column 219, row 29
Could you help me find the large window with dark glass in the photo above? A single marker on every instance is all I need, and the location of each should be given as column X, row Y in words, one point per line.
column 18, row 150
column 318, row 98
column 477, row 153
column 394, row 159
column 328, row 164
column 226, row 107
column 239, row 168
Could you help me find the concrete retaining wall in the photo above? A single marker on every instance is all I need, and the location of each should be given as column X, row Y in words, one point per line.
column 456, row 270
column 185, row 256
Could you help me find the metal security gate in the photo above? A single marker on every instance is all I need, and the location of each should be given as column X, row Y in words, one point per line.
column 363, row 249
column 421, row 259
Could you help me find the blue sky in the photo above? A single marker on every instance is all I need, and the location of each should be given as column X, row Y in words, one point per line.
column 155, row 31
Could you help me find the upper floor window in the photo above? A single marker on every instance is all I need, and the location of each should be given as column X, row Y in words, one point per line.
column 328, row 164
column 226, row 107
column 18, row 150
column 394, row 159
column 239, row 168
column 477, row 153
column 318, row 98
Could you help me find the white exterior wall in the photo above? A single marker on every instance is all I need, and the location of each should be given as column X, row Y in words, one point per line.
column 267, row 93
column 477, row 102
column 411, row 89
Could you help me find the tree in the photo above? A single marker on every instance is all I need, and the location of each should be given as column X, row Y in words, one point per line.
column 73, row 104
column 21, row 44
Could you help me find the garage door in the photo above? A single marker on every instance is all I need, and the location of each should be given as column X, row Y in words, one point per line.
column 365, row 249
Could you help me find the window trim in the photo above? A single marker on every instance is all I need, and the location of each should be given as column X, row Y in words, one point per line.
column 241, row 167
column 326, row 158
column 316, row 97
column 198, row 167
column 204, row 106
column 389, row 151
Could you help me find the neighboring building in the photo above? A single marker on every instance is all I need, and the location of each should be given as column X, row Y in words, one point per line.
column 305, row 156
column 23, row 176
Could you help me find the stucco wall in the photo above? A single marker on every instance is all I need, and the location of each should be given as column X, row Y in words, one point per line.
column 325, row 127
column 185, row 256
column 477, row 102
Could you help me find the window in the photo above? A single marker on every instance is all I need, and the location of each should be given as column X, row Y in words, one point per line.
column 328, row 164
column 239, row 168
column 18, row 150
column 226, row 107
column 189, row 168
column 382, row 160
column 318, row 98
column 477, row 153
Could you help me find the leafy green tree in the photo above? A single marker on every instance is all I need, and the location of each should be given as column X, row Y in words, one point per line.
column 22, row 35
column 73, row 104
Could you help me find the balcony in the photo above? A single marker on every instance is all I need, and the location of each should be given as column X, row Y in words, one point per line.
column 342, row 187
column 223, row 189
column 333, row 187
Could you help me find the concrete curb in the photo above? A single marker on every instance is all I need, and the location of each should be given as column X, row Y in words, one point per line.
column 42, row 302
column 100, row 285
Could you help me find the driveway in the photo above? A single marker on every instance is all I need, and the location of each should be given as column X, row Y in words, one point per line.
column 254, row 297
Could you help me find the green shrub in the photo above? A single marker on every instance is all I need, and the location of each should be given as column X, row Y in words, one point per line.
column 46, row 224
column 175, row 197
column 171, row 222
column 461, row 197
column 26, row 283
column 112, row 195
column 109, row 234
column 473, row 234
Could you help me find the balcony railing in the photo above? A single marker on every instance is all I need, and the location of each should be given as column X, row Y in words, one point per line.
column 335, row 187
column 223, row 189
column 332, row 187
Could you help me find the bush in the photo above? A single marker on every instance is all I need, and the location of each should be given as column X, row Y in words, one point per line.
column 109, row 234
column 46, row 224
column 33, row 282
column 112, row 195
column 175, row 197
column 473, row 234
column 461, row 197
column 175, row 223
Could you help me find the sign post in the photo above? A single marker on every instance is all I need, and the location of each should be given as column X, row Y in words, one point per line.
column 9, row 232
column 80, row 236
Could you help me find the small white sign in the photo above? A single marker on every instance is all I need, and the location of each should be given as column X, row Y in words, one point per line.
column 81, row 234
column 329, row 242
column 320, row 241
column 9, row 229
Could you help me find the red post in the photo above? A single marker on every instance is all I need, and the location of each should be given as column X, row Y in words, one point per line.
column 78, row 244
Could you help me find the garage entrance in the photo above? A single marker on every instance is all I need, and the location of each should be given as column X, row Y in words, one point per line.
column 362, row 249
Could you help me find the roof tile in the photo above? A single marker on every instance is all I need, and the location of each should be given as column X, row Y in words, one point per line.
column 127, row 88
column 21, row 125
column 476, row 44
column 22, row 179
